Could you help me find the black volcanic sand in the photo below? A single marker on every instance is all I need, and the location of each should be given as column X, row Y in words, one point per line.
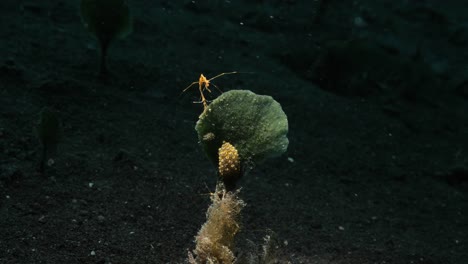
column 377, row 166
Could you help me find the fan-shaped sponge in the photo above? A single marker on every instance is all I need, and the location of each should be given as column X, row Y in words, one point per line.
column 254, row 124
column 107, row 20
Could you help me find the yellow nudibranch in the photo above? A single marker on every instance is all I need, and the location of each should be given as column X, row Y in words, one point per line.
column 229, row 163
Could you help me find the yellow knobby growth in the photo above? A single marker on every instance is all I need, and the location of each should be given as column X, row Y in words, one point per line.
column 229, row 164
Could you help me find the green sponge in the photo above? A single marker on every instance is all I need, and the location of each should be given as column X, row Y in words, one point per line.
column 48, row 132
column 254, row 124
column 107, row 20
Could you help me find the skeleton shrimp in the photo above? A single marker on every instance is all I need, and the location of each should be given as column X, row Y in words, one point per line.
column 204, row 84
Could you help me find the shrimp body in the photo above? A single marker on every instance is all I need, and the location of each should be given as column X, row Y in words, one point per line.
column 203, row 84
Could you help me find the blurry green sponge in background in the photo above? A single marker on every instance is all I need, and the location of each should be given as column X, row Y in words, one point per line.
column 107, row 20
column 254, row 124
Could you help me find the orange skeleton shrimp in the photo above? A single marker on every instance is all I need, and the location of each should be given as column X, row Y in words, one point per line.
column 203, row 84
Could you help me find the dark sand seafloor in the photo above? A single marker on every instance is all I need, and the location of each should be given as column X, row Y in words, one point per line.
column 377, row 166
